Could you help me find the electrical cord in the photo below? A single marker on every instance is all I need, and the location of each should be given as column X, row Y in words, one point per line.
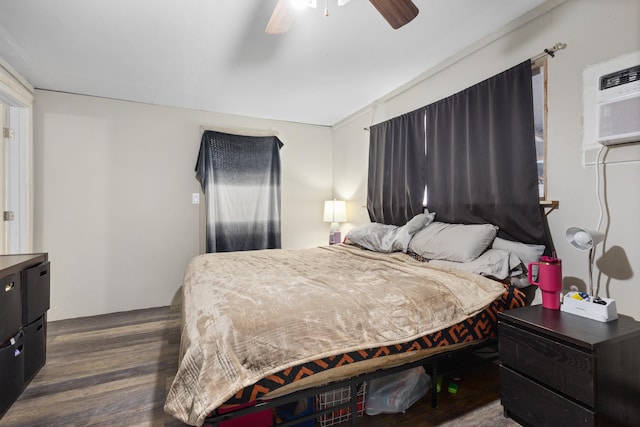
column 598, row 197
column 592, row 251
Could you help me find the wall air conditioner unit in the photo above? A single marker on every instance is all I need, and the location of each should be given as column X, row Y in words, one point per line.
column 618, row 103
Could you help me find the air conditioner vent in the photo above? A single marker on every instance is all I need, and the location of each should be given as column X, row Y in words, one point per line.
column 620, row 77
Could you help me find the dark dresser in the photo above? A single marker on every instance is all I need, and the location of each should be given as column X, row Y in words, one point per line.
column 559, row 369
column 24, row 301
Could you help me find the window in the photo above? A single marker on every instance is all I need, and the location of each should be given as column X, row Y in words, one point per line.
column 539, row 84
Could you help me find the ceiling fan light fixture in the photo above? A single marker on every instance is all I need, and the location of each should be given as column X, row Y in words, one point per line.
column 303, row 4
column 396, row 12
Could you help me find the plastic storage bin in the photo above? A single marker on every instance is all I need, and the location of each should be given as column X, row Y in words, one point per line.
column 257, row 419
column 335, row 397
column 294, row 410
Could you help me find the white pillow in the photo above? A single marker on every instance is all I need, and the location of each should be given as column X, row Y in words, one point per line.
column 453, row 242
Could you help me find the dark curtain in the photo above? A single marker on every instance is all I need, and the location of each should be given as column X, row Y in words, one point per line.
column 396, row 169
column 240, row 177
column 480, row 164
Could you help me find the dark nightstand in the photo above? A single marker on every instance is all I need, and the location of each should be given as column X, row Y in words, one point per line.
column 559, row 369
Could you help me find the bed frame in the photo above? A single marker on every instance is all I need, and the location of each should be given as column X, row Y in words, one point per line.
column 430, row 362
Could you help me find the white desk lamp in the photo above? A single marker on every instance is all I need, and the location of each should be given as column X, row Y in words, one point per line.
column 583, row 239
column 335, row 211
column 593, row 307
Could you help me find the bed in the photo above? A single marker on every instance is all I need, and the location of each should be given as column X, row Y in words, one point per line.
column 262, row 325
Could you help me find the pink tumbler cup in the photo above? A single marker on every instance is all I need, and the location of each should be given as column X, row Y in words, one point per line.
column 549, row 280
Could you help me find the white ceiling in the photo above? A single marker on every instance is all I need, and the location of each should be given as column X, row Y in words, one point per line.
column 213, row 55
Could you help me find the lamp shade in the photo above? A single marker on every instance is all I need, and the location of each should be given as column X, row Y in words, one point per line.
column 335, row 211
column 583, row 239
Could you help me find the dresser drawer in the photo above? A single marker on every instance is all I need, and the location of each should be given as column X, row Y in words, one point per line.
column 10, row 306
column 11, row 371
column 527, row 401
column 35, row 347
column 561, row 367
column 35, row 292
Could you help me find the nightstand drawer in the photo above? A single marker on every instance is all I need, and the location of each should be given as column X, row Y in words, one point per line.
column 528, row 401
column 561, row 367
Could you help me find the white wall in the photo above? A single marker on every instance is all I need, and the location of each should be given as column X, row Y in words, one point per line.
column 594, row 31
column 113, row 180
column 113, row 184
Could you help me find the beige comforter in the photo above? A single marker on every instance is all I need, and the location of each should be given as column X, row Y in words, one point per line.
column 250, row 314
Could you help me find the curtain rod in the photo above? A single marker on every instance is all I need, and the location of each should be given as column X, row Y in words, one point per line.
column 551, row 51
column 241, row 131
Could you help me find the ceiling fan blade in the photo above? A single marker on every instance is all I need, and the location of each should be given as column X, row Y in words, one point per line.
column 396, row 12
column 281, row 18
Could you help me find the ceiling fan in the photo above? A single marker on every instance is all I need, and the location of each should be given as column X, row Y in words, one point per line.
column 396, row 12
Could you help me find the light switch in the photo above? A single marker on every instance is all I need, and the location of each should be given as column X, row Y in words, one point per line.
column 195, row 198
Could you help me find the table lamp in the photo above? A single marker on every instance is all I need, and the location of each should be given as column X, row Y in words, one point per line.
column 335, row 211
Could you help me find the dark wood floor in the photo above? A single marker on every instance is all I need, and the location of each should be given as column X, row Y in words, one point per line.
column 115, row 369
column 109, row 370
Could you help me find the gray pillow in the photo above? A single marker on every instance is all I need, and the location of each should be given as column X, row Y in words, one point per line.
column 496, row 263
column 376, row 237
column 388, row 238
column 418, row 222
column 526, row 252
column 453, row 242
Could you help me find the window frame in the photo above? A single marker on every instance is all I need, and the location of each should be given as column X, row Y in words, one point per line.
column 539, row 67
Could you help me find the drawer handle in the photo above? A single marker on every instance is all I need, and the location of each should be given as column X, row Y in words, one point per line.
column 9, row 286
column 43, row 273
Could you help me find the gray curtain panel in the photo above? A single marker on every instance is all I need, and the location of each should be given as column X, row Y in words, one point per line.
column 396, row 169
column 480, row 162
column 240, row 177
